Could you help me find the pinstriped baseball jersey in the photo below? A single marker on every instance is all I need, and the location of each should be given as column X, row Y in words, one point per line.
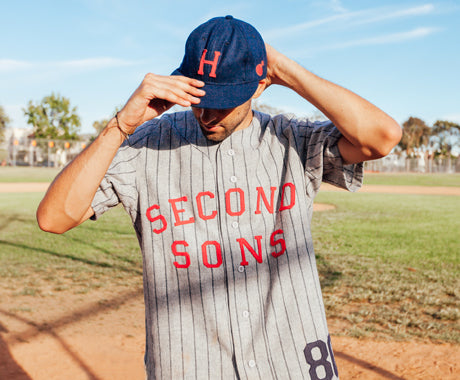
column 230, row 280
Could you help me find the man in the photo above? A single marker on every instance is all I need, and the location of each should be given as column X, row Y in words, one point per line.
column 221, row 200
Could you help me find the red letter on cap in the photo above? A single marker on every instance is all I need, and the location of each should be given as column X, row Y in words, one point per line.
column 212, row 63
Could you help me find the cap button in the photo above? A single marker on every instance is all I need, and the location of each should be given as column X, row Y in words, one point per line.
column 228, row 17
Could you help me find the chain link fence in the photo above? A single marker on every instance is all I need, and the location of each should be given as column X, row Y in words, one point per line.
column 394, row 163
column 26, row 151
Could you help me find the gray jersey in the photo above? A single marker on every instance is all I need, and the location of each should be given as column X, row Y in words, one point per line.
column 230, row 280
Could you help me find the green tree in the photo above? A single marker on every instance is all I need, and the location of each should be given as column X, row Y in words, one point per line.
column 415, row 134
column 4, row 122
column 445, row 135
column 53, row 118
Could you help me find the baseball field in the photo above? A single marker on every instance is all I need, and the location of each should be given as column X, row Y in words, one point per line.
column 71, row 306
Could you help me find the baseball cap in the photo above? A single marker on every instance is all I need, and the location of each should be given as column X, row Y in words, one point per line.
column 229, row 56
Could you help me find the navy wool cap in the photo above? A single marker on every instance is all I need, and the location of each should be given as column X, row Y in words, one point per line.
column 229, row 56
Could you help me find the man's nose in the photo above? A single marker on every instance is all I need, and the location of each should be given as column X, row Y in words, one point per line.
column 207, row 116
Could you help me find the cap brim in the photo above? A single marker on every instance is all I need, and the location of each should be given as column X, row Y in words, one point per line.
column 224, row 96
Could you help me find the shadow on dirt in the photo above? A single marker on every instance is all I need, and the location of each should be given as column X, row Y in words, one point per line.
column 10, row 369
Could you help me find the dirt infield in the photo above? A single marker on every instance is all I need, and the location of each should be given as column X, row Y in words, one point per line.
column 67, row 336
column 62, row 335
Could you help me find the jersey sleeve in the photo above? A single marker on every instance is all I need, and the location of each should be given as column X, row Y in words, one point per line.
column 118, row 185
column 334, row 171
column 317, row 146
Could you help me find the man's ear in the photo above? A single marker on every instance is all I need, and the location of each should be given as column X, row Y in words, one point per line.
column 262, row 86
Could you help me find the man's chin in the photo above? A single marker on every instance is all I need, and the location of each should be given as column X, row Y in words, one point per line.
column 213, row 135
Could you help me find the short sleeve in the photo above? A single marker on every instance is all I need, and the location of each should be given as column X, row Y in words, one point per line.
column 349, row 177
column 317, row 146
column 119, row 183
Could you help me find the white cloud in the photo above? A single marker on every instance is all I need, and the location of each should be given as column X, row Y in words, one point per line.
column 8, row 65
column 355, row 17
column 278, row 33
column 337, row 6
column 381, row 15
column 12, row 64
column 384, row 39
column 92, row 63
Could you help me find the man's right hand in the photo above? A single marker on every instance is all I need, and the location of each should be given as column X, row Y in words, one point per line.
column 67, row 202
column 155, row 95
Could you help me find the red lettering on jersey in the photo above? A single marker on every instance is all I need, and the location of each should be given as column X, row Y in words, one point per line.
column 155, row 218
column 184, row 254
column 213, row 63
column 244, row 243
column 228, row 205
column 199, row 205
column 204, row 253
column 292, row 199
column 177, row 211
column 274, row 242
column 261, row 194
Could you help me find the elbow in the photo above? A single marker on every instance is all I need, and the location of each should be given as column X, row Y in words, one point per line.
column 389, row 138
column 48, row 224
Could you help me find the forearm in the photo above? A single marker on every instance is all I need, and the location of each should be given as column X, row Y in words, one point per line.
column 369, row 131
column 68, row 200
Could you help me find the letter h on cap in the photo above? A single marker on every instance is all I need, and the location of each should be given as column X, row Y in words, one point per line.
column 212, row 63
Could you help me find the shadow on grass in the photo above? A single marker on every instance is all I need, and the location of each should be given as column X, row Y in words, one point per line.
column 106, row 251
column 327, row 274
column 71, row 257
column 11, row 218
column 49, row 328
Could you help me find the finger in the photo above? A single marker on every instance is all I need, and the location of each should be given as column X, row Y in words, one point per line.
column 177, row 96
column 181, row 92
column 177, row 89
column 189, row 85
column 193, row 82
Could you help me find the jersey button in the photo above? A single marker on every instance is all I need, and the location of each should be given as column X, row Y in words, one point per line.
column 245, row 314
column 241, row 269
column 235, row 224
column 233, row 179
column 231, row 152
column 252, row 363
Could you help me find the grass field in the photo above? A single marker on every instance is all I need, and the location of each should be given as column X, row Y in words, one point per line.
column 389, row 264
column 412, row 179
column 27, row 174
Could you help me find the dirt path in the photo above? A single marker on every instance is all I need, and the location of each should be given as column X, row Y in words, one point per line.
column 68, row 336
column 71, row 336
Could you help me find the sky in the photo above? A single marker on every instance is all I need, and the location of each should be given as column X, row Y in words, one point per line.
column 403, row 56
